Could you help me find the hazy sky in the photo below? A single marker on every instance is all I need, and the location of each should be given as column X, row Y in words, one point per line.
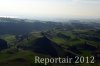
column 50, row 8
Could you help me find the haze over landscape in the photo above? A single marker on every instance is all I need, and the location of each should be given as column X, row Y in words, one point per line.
column 50, row 29
column 50, row 9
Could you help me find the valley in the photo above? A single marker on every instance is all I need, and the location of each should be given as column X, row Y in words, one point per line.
column 22, row 40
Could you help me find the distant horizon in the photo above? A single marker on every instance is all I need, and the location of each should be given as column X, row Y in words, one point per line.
column 54, row 19
column 50, row 9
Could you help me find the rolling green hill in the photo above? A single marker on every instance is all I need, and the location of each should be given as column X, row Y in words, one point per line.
column 47, row 39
